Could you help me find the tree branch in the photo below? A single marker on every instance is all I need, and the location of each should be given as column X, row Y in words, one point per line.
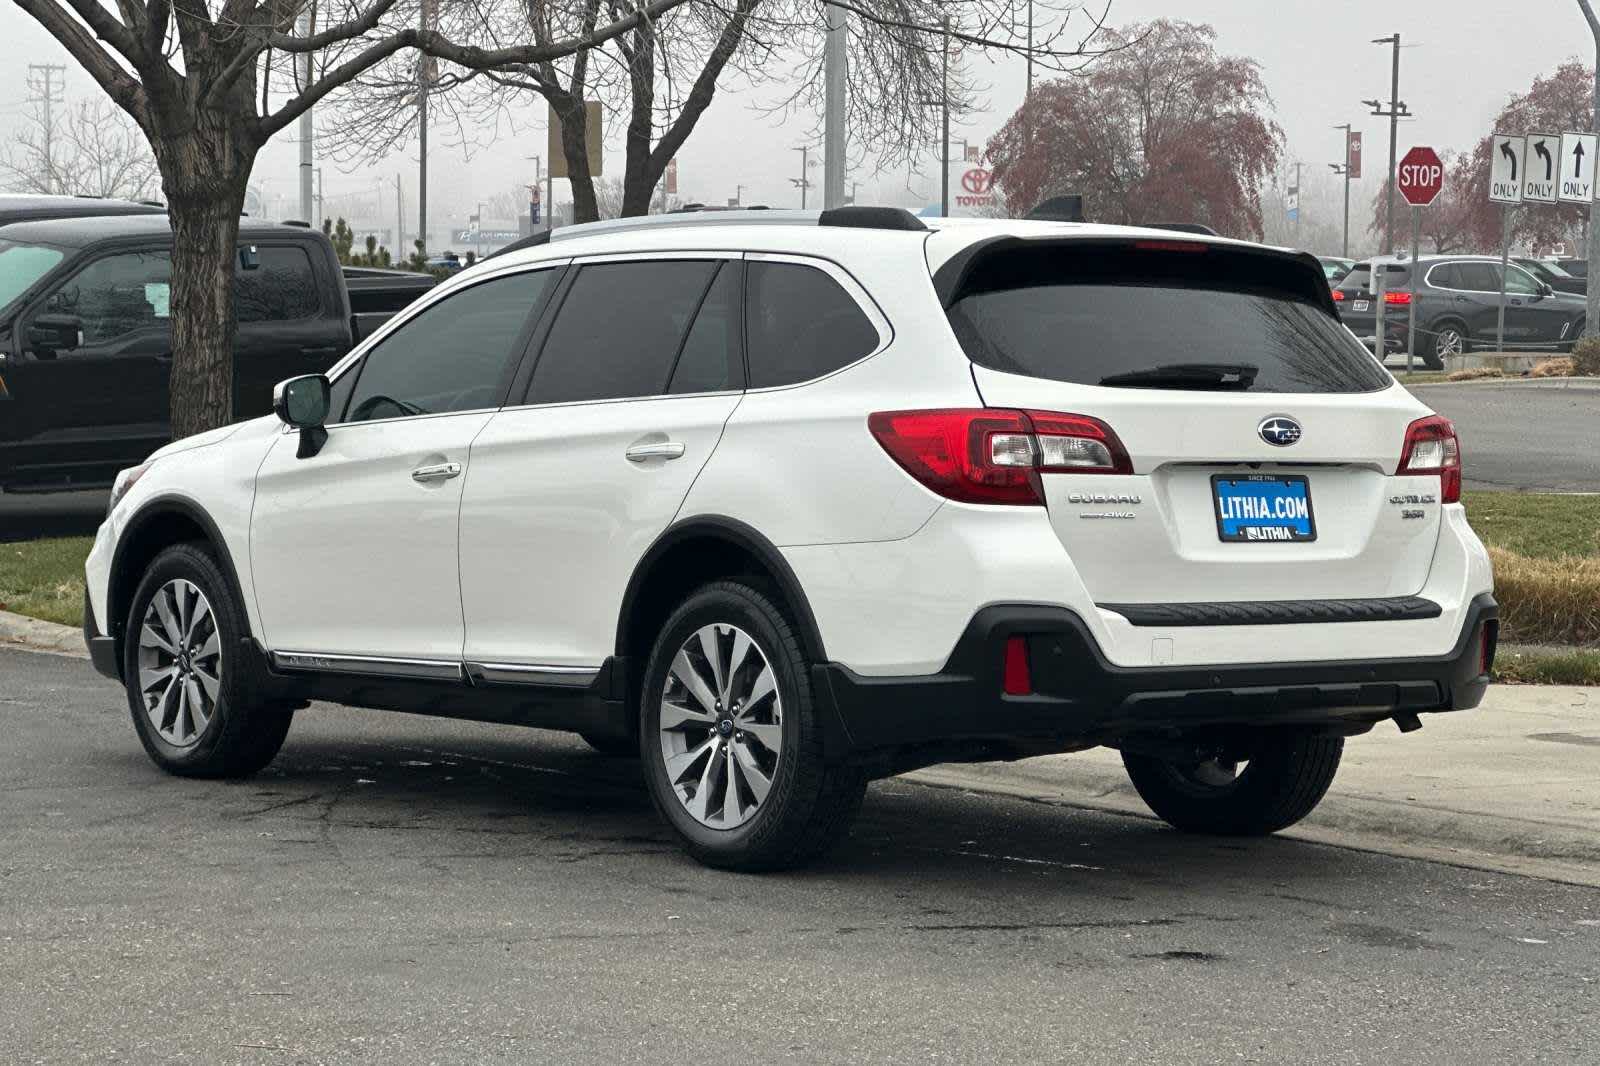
column 343, row 31
column 101, row 67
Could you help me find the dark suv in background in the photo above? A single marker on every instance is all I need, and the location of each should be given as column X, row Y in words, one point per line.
column 1458, row 305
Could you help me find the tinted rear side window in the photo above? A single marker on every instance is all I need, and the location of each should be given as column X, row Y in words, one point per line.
column 802, row 325
column 619, row 330
column 1086, row 316
column 280, row 288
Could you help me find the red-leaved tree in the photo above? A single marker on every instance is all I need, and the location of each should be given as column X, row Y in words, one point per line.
column 1163, row 129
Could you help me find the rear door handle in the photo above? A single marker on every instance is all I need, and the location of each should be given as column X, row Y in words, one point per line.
column 437, row 472
column 640, row 453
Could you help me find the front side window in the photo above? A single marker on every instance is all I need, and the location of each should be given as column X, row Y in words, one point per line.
column 1521, row 283
column 281, row 287
column 453, row 356
column 801, row 325
column 619, row 330
column 117, row 295
column 23, row 264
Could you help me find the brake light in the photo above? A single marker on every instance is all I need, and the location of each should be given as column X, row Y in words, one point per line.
column 1432, row 448
column 1169, row 246
column 1338, row 296
column 1400, row 297
column 990, row 455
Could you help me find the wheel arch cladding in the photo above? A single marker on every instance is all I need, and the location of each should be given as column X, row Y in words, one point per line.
column 696, row 552
column 160, row 523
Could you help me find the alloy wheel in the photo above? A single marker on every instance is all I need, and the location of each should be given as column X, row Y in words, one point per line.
column 180, row 663
column 721, row 729
column 1448, row 343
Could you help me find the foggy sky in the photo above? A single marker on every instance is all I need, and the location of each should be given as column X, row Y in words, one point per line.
column 1462, row 59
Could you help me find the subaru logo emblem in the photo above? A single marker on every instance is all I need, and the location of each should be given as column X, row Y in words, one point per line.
column 1280, row 430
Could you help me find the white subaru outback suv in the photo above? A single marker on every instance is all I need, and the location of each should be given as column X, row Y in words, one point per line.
column 784, row 502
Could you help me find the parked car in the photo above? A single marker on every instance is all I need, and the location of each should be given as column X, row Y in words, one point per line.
column 1335, row 267
column 29, row 207
column 1578, row 268
column 1552, row 275
column 838, row 496
column 1458, row 307
column 86, row 339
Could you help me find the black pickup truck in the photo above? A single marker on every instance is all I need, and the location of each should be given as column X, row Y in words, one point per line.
column 86, row 338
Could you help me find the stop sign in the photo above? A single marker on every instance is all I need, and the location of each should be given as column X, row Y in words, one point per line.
column 1421, row 176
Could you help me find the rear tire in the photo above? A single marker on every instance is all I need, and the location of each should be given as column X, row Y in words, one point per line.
column 1449, row 340
column 748, row 722
column 195, row 692
column 1285, row 777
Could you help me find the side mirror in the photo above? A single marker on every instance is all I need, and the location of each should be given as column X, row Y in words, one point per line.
column 303, row 403
column 1546, row 289
column 49, row 334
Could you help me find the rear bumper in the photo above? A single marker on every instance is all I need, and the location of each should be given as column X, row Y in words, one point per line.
column 1081, row 699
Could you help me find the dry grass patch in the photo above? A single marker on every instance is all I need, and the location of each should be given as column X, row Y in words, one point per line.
column 1560, row 367
column 1475, row 374
column 1547, row 601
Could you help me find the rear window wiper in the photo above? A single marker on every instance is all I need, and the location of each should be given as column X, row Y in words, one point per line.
column 1188, row 376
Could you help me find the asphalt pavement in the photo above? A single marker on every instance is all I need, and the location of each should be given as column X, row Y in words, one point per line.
column 1523, row 435
column 398, row 889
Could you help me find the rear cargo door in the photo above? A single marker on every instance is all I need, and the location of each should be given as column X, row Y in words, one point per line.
column 1262, row 437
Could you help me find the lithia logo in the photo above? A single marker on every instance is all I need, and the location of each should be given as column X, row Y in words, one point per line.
column 1102, row 497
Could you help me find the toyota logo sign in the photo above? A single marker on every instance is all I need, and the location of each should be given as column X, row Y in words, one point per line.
column 977, row 181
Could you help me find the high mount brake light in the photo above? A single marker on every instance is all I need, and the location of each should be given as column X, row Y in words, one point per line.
column 1432, row 447
column 994, row 455
column 1170, row 246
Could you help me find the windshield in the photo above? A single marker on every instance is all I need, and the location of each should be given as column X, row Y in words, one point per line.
column 23, row 264
column 1211, row 320
column 1553, row 269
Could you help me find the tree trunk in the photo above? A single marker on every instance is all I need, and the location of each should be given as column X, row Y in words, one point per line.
column 574, row 145
column 204, row 170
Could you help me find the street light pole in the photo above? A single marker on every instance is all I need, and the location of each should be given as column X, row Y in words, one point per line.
column 805, row 152
column 944, row 107
column 1344, row 169
column 1394, row 114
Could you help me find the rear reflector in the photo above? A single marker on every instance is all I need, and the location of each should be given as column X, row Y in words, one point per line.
column 1018, row 680
column 1431, row 447
column 994, row 455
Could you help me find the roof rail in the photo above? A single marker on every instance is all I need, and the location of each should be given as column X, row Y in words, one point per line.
column 1058, row 209
column 531, row 241
column 741, row 216
column 852, row 217
column 302, row 223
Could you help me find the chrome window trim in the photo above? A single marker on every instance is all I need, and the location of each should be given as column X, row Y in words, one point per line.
column 852, row 288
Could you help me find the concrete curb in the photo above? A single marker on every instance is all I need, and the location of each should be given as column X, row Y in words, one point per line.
column 35, row 635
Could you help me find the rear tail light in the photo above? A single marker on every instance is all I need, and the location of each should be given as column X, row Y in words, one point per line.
column 989, row 455
column 1432, row 448
column 1338, row 296
column 1401, row 298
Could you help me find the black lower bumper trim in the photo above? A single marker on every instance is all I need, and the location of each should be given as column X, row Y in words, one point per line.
column 102, row 650
column 1081, row 699
column 1276, row 612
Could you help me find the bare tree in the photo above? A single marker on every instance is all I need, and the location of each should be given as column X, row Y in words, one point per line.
column 658, row 79
column 200, row 76
column 91, row 150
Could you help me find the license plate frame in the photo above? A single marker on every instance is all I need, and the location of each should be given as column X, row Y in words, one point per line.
column 1241, row 526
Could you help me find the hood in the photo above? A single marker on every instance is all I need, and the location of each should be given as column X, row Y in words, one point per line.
column 202, row 440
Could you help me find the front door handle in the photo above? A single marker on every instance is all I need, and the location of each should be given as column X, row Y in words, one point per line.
column 640, row 453
column 437, row 472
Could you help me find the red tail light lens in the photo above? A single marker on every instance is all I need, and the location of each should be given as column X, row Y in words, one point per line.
column 1017, row 679
column 1338, row 296
column 1432, row 448
column 1401, row 298
column 987, row 455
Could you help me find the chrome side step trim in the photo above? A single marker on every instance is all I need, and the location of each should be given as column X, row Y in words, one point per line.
column 531, row 674
column 375, row 666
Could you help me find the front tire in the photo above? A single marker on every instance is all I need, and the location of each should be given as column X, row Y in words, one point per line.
column 1284, row 776
column 732, row 740
column 195, row 694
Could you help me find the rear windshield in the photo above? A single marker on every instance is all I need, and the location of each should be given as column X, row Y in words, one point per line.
column 1360, row 278
column 1127, row 317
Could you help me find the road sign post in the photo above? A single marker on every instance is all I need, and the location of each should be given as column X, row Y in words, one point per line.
column 1507, row 179
column 1420, row 179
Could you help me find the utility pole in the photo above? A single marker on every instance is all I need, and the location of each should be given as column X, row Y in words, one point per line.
column 802, row 182
column 318, row 220
column 1343, row 169
column 738, row 195
column 944, row 107
column 425, row 68
column 305, row 27
column 399, row 219
column 833, row 134
column 1298, row 196
column 1027, row 93
column 1396, row 111
column 41, row 82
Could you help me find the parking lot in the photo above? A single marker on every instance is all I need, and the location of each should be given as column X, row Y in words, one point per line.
column 397, row 887
column 1524, row 436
